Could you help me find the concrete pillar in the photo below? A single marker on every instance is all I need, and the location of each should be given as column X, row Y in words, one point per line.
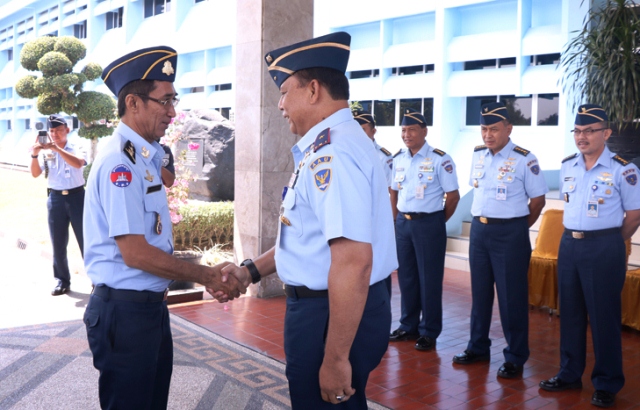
column 263, row 162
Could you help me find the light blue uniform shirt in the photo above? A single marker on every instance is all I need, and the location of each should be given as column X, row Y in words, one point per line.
column 598, row 198
column 340, row 192
column 62, row 176
column 427, row 174
column 125, row 198
column 505, row 182
column 386, row 159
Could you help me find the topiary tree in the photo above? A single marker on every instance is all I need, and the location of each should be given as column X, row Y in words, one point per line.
column 59, row 89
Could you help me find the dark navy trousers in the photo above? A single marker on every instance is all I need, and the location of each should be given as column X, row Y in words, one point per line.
column 499, row 255
column 305, row 330
column 421, row 245
column 591, row 274
column 64, row 210
column 133, row 351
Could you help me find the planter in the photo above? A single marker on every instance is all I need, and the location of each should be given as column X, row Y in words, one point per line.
column 181, row 291
column 625, row 143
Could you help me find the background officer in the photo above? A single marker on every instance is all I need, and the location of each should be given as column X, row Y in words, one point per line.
column 508, row 197
column 335, row 245
column 368, row 124
column 422, row 176
column 129, row 239
column 168, row 169
column 601, row 211
column 62, row 167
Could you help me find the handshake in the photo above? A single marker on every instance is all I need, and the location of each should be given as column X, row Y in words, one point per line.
column 232, row 281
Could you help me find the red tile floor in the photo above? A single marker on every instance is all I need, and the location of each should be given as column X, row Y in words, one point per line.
column 409, row 379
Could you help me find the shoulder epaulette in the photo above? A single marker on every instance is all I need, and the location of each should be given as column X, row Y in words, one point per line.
column 397, row 153
column 572, row 156
column 130, row 151
column 386, row 151
column 439, row 152
column 324, row 138
column 521, row 151
column 620, row 160
column 479, row 148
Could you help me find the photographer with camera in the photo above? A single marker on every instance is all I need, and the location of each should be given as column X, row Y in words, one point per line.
column 62, row 166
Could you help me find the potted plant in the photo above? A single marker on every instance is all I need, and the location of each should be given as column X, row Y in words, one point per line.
column 602, row 66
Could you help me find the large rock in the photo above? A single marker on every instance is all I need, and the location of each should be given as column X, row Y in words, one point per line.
column 214, row 159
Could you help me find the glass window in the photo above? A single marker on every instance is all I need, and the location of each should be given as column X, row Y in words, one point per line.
column 385, row 112
column 415, row 69
column 473, row 108
column 114, row 19
column 222, row 87
column 507, row 62
column 224, row 111
column 427, row 111
column 9, row 55
column 197, row 90
column 479, row 65
column 155, row 7
column 519, row 109
column 545, row 59
column 548, row 108
column 80, row 30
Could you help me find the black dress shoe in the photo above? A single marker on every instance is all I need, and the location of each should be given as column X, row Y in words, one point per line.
column 468, row 357
column 509, row 370
column 556, row 384
column 603, row 398
column 59, row 290
column 400, row 335
column 425, row 343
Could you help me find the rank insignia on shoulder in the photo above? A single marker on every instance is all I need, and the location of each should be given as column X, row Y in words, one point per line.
column 397, row 153
column 572, row 156
column 439, row 152
column 521, row 151
column 479, row 148
column 385, row 151
column 130, row 151
column 324, row 138
column 621, row 160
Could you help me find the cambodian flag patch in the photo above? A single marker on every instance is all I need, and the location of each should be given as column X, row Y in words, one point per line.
column 121, row 176
column 323, row 179
column 632, row 179
column 535, row 169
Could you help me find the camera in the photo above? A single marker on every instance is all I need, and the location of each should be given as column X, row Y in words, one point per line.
column 43, row 137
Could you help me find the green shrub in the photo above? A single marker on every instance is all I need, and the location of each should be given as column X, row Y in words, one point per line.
column 54, row 63
column 71, row 47
column 203, row 225
column 48, row 104
column 94, row 106
column 25, row 87
column 34, row 50
column 92, row 71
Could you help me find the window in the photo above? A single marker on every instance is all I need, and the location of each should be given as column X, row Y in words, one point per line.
column 545, row 59
column 479, row 65
column 548, row 108
column 80, row 30
column 519, row 109
column 363, row 74
column 197, row 90
column 27, row 124
column 222, row 87
column 114, row 19
column 506, row 62
column 423, row 105
column 9, row 125
column 155, row 7
column 224, row 111
column 385, row 112
column 473, row 108
column 10, row 55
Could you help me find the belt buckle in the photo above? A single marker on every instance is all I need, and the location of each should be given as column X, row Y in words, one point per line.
column 483, row 220
column 577, row 235
column 407, row 216
column 166, row 295
column 65, row 192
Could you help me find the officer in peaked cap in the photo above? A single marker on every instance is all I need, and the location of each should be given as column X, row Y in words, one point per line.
column 368, row 124
column 128, row 239
column 601, row 211
column 62, row 168
column 422, row 176
column 508, row 197
column 335, row 245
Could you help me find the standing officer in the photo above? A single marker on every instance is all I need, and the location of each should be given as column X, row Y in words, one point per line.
column 508, row 197
column 335, row 245
column 129, row 240
column 168, row 169
column 63, row 170
column 601, row 211
column 423, row 176
column 368, row 124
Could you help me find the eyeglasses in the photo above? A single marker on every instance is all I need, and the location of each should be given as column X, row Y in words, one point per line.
column 586, row 132
column 173, row 101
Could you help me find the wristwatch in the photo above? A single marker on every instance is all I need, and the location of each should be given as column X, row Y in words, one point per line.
column 255, row 275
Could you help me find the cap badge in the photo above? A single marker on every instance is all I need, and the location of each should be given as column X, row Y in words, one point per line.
column 167, row 68
column 269, row 59
column 486, row 109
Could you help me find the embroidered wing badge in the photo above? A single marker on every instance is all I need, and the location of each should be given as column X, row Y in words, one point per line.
column 632, row 179
column 323, row 179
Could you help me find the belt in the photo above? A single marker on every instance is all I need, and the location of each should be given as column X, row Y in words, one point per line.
column 304, row 292
column 65, row 191
column 489, row 221
column 589, row 234
column 127, row 295
column 417, row 215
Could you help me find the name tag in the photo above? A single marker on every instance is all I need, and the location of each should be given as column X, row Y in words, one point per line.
column 154, row 188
